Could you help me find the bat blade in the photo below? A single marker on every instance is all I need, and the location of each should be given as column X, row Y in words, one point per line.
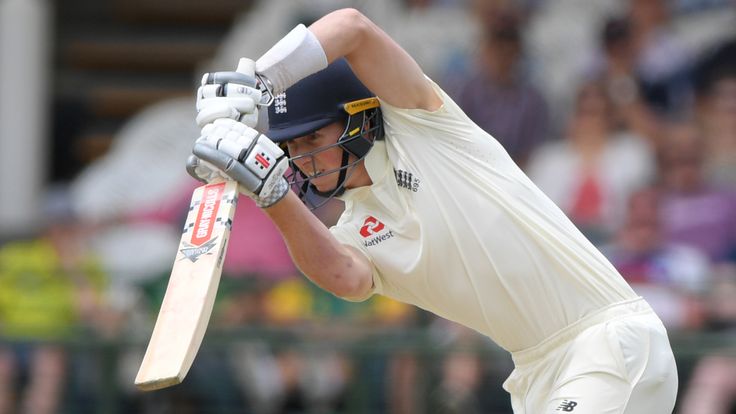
column 190, row 294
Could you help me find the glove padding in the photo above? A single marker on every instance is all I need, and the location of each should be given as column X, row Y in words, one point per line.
column 232, row 95
column 229, row 149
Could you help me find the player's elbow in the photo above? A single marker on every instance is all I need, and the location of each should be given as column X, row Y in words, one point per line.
column 350, row 287
column 338, row 269
column 355, row 23
column 352, row 17
column 349, row 278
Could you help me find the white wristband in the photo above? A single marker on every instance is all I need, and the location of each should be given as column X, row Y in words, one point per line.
column 293, row 58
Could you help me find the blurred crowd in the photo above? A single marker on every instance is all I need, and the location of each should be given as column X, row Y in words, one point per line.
column 622, row 112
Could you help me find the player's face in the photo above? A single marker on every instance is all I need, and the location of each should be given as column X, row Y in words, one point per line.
column 322, row 166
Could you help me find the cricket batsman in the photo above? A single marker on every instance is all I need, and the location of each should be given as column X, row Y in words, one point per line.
column 436, row 215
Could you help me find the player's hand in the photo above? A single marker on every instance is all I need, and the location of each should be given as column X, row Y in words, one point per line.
column 232, row 95
column 230, row 149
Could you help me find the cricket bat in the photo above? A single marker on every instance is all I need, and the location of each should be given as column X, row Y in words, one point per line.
column 190, row 294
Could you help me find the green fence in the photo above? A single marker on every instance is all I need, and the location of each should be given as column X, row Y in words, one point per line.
column 100, row 372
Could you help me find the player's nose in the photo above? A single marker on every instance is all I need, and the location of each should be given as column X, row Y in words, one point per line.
column 306, row 165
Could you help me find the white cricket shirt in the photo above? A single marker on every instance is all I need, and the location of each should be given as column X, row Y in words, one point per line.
column 452, row 225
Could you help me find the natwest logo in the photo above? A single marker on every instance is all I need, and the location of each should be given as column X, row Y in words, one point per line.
column 370, row 231
column 371, row 226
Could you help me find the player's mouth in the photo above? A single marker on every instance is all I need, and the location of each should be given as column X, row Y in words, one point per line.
column 323, row 181
column 318, row 178
column 311, row 174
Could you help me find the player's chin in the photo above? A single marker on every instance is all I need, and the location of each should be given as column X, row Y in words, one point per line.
column 325, row 183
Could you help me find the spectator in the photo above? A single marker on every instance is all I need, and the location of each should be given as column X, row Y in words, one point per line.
column 463, row 370
column 303, row 378
column 484, row 14
column 461, row 378
column 264, row 256
column 49, row 287
column 694, row 212
column 496, row 96
column 671, row 277
column 559, row 51
column 615, row 65
column 662, row 61
column 268, row 377
column 717, row 114
column 434, row 32
column 591, row 173
column 712, row 387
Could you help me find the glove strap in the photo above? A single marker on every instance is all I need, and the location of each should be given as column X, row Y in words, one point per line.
column 279, row 192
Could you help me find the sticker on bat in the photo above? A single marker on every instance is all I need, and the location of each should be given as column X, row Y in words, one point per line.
column 193, row 253
column 207, row 214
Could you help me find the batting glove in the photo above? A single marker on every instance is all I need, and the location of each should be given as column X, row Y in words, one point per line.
column 232, row 95
column 232, row 150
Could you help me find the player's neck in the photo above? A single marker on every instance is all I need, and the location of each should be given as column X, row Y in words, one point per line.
column 359, row 177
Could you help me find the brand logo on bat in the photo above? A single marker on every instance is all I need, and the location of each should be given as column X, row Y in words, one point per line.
column 193, row 253
column 207, row 214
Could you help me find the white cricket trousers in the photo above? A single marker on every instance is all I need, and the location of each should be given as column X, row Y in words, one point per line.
column 617, row 360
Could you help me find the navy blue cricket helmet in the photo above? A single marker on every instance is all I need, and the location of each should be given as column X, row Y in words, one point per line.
column 333, row 94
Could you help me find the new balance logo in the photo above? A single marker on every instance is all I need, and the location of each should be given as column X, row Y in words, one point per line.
column 406, row 180
column 567, row 406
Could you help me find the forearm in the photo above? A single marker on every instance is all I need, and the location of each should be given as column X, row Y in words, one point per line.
column 329, row 264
